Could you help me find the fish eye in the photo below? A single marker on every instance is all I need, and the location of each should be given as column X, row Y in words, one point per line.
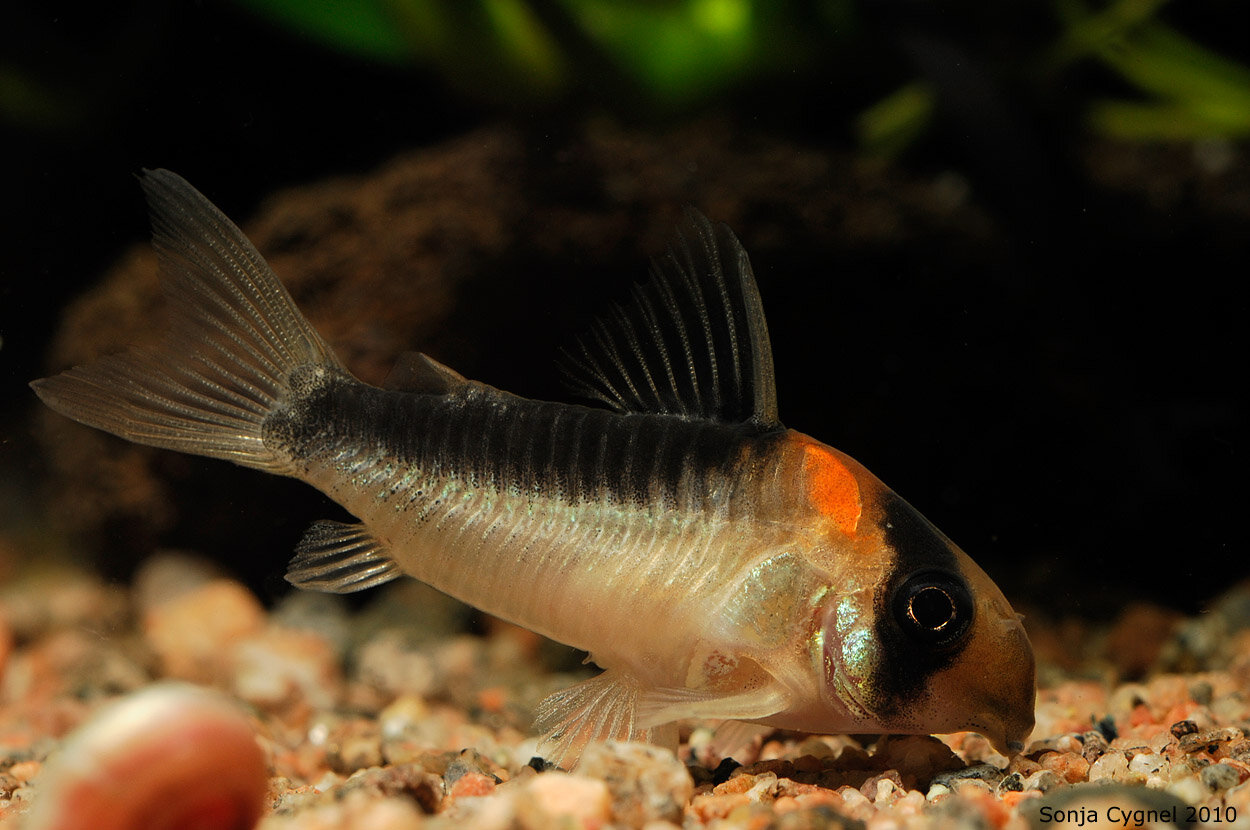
column 933, row 607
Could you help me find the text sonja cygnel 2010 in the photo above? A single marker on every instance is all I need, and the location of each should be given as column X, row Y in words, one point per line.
column 1180, row 815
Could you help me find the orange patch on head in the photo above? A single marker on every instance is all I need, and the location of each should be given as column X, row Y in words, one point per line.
column 832, row 488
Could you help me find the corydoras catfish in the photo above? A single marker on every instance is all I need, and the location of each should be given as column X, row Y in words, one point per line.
column 712, row 562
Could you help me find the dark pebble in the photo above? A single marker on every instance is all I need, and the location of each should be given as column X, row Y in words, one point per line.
column 1201, row 692
column 1107, row 727
column 723, row 770
column 1220, row 776
column 1012, row 783
column 983, row 772
column 1184, row 727
column 1210, row 739
column 815, row 818
column 1095, row 745
column 1043, row 781
column 540, row 764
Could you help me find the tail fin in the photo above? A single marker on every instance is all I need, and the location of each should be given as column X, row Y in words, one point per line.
column 235, row 337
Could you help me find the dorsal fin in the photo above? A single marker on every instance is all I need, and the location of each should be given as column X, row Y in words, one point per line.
column 692, row 343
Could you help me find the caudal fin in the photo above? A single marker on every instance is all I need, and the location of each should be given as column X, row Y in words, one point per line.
column 235, row 337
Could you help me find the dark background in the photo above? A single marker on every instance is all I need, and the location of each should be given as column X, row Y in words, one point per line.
column 1071, row 416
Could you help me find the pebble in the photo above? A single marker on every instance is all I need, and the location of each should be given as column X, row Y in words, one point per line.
column 984, row 772
column 1191, row 790
column 61, row 597
column 1011, row 783
column 1043, row 780
column 1211, row 740
column 193, row 633
column 403, row 717
column 381, row 745
column 473, row 785
column 497, row 812
column 169, row 574
column 353, row 744
column 169, row 756
column 560, row 799
column 7, row 643
column 24, row 771
column 1111, row 766
column 1147, row 764
column 278, row 667
column 1220, row 776
column 1069, row 766
column 855, row 804
column 1182, row 728
column 324, row 614
column 412, row 781
column 1093, row 745
column 647, row 783
column 390, row 663
column 357, row 811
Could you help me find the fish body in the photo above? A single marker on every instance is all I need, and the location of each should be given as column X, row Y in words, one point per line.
column 714, row 563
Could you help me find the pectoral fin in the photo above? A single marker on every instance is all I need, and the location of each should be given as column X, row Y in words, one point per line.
column 666, row 705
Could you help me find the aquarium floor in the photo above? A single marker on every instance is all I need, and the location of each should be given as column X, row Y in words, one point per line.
column 407, row 712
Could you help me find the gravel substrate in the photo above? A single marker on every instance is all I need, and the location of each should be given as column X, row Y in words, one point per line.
column 391, row 716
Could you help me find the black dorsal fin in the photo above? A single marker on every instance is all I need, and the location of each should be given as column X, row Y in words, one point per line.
column 692, row 343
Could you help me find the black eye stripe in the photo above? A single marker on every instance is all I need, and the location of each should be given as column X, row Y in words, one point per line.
column 912, row 652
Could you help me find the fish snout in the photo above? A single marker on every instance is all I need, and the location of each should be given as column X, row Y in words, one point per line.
column 1006, row 682
column 1018, row 691
column 991, row 688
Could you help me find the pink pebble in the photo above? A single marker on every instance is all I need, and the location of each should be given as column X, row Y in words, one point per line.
column 170, row 756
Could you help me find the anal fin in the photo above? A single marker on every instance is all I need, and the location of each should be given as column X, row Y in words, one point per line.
column 340, row 558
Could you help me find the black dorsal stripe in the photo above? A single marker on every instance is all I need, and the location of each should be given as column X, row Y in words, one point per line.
column 487, row 438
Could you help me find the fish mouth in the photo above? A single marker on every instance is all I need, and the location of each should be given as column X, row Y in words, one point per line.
column 996, row 733
column 1006, row 724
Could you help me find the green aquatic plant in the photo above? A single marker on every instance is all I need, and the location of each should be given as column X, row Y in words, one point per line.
column 674, row 51
column 894, row 123
column 1188, row 90
column 663, row 55
column 665, row 51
